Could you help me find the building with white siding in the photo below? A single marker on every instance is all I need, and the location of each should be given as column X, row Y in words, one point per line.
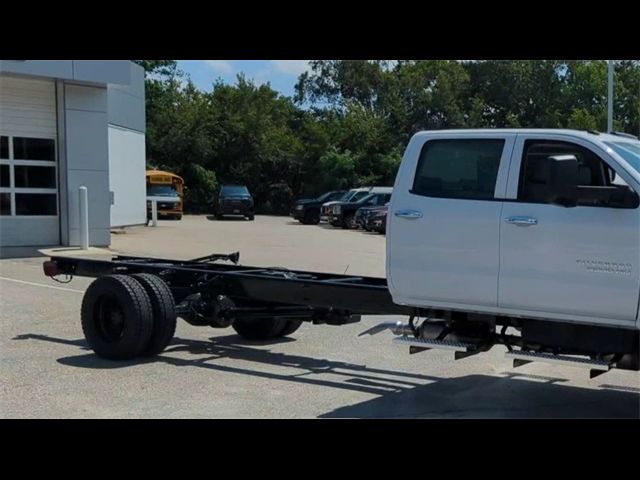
column 66, row 124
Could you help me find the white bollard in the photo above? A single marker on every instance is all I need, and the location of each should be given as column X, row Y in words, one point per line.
column 154, row 213
column 84, row 218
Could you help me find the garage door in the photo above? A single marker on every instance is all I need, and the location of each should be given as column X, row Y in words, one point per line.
column 29, row 211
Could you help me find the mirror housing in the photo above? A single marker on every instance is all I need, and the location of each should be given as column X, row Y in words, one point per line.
column 563, row 179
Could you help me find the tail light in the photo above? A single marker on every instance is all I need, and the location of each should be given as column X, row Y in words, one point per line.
column 50, row 268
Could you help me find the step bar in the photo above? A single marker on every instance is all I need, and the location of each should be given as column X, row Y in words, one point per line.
column 597, row 367
column 519, row 357
column 426, row 344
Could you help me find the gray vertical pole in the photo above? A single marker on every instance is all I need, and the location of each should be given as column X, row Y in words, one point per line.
column 610, row 98
column 84, row 219
column 154, row 213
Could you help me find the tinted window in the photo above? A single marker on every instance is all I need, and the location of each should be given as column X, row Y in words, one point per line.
column 235, row 190
column 368, row 199
column 33, row 149
column 347, row 196
column 384, row 199
column 358, row 196
column 35, row 177
column 325, row 197
column 4, row 147
column 4, row 176
column 535, row 170
column 36, row 204
column 334, row 196
column 458, row 169
column 161, row 191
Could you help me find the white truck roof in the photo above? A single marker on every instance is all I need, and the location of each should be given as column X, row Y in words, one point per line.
column 590, row 135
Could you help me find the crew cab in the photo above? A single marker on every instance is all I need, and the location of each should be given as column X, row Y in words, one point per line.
column 234, row 200
column 540, row 227
column 307, row 211
column 343, row 214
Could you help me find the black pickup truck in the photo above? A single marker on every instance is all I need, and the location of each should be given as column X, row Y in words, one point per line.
column 307, row 210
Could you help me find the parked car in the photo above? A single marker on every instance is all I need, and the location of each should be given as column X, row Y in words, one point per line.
column 365, row 213
column 350, row 196
column 377, row 222
column 234, row 200
column 344, row 213
column 307, row 211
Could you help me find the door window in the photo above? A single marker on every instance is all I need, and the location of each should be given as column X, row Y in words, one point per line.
column 534, row 185
column 460, row 168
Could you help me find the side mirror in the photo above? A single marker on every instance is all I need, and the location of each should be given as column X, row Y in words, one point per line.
column 624, row 197
column 563, row 179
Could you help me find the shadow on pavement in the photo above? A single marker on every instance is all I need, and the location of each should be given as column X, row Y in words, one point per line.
column 226, row 218
column 22, row 252
column 509, row 396
column 397, row 394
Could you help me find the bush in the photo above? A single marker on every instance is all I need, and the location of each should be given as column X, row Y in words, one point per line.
column 201, row 186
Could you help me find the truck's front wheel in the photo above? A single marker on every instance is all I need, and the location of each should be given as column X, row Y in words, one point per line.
column 265, row 328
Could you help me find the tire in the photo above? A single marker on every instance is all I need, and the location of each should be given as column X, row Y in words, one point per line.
column 250, row 217
column 164, row 312
column 311, row 218
column 263, row 328
column 290, row 327
column 178, row 217
column 116, row 317
column 218, row 216
column 349, row 222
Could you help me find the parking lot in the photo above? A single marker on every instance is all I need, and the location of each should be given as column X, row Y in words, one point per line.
column 322, row 371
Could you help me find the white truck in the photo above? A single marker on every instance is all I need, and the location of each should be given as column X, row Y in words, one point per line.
column 523, row 238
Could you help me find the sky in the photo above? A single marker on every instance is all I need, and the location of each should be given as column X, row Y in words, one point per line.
column 281, row 74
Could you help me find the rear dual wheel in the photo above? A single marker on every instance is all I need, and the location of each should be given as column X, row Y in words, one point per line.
column 265, row 328
column 126, row 316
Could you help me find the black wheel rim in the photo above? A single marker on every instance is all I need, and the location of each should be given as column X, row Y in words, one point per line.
column 109, row 318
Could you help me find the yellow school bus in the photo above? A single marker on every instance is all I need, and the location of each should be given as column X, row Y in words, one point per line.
column 167, row 190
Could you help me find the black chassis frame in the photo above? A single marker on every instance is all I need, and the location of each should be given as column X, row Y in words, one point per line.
column 228, row 291
column 235, row 291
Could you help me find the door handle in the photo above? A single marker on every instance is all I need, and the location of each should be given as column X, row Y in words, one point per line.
column 408, row 214
column 521, row 221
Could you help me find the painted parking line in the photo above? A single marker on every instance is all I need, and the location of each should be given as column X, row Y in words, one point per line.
column 41, row 285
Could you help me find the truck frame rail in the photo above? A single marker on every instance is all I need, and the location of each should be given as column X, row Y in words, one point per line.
column 349, row 294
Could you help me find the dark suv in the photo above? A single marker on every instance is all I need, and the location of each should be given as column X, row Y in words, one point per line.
column 234, row 200
column 307, row 210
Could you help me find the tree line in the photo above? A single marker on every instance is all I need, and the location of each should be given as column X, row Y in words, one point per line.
column 349, row 121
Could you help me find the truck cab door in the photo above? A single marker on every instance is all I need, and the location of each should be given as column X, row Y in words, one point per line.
column 444, row 220
column 575, row 262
